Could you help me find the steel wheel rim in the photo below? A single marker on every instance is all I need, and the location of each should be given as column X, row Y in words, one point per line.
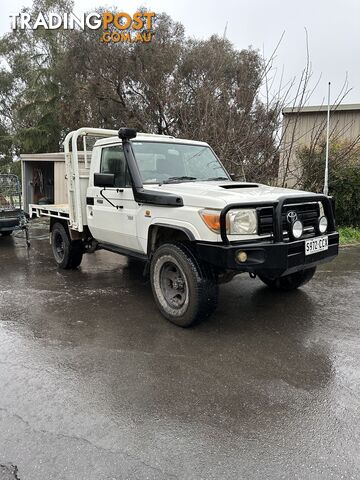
column 59, row 246
column 173, row 285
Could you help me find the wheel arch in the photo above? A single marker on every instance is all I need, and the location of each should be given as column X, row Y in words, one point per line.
column 72, row 234
column 159, row 233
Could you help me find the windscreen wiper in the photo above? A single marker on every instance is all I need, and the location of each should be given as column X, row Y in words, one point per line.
column 178, row 179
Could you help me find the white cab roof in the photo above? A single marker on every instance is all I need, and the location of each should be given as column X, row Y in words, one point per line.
column 149, row 137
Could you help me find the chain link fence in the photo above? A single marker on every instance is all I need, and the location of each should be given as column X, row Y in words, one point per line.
column 10, row 192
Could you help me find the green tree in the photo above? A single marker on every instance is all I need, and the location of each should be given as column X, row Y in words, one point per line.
column 31, row 59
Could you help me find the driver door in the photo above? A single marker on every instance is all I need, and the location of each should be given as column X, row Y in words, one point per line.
column 108, row 224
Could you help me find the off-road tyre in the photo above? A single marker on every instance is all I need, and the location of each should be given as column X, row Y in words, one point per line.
column 185, row 289
column 67, row 253
column 291, row 281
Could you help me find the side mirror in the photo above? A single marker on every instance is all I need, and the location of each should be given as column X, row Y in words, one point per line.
column 233, row 176
column 104, row 180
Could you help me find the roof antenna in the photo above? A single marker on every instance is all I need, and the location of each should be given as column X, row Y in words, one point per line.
column 326, row 176
column 225, row 31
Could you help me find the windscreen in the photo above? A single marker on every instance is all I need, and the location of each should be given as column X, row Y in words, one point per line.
column 161, row 162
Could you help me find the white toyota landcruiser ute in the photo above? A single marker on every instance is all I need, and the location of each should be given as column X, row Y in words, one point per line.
column 170, row 203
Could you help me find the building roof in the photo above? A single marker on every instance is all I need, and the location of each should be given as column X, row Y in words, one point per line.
column 320, row 108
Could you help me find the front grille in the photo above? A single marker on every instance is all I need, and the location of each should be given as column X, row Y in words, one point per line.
column 265, row 220
column 308, row 213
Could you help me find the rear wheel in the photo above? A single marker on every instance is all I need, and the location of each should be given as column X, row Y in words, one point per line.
column 289, row 282
column 67, row 253
column 185, row 290
column 7, row 233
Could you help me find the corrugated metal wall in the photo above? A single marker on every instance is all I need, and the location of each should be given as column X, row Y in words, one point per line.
column 304, row 128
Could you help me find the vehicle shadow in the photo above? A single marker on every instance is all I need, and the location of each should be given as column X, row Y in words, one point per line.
column 246, row 302
column 275, row 327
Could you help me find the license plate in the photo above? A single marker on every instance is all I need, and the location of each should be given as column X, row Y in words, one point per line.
column 315, row 245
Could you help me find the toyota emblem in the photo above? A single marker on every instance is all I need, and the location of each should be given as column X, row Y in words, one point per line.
column 291, row 216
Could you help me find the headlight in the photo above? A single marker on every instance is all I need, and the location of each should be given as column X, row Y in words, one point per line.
column 323, row 224
column 297, row 229
column 238, row 222
column 242, row 222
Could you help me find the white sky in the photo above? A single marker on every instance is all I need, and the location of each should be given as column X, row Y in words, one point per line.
column 333, row 27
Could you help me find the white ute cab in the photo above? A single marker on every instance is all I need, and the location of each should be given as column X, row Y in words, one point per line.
column 170, row 203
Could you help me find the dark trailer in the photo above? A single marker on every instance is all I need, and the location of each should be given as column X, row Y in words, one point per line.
column 11, row 213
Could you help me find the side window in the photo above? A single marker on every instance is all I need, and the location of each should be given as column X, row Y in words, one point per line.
column 113, row 161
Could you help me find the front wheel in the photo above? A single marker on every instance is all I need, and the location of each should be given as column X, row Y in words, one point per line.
column 185, row 289
column 7, row 233
column 291, row 281
column 67, row 253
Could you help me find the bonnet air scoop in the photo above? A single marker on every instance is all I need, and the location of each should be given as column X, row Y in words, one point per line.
column 239, row 185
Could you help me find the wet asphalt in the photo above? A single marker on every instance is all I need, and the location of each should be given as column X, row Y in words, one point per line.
column 95, row 384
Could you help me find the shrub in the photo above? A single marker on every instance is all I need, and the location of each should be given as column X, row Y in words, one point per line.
column 345, row 188
column 344, row 177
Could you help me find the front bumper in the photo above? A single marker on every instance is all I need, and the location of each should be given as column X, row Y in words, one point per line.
column 272, row 259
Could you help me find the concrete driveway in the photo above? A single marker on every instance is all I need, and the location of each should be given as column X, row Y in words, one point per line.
column 95, row 384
